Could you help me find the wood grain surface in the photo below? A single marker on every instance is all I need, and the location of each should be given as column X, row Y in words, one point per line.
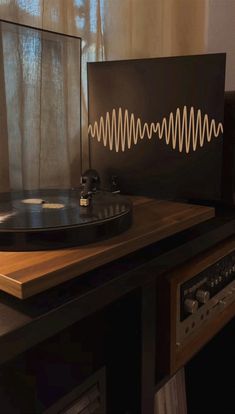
column 24, row 274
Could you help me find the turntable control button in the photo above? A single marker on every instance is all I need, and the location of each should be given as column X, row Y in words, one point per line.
column 190, row 305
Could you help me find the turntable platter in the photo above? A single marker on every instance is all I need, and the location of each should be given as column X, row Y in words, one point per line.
column 49, row 219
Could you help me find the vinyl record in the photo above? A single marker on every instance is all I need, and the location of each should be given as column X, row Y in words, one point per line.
column 51, row 219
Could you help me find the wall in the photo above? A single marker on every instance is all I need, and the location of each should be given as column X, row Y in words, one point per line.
column 221, row 34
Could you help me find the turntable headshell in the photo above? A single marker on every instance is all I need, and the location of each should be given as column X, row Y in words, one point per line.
column 90, row 182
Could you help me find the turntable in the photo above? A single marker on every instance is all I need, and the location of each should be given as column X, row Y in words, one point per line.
column 26, row 273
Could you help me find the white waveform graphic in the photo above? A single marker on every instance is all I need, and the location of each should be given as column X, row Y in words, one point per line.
column 183, row 130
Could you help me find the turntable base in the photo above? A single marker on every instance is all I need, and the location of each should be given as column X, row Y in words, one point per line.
column 23, row 274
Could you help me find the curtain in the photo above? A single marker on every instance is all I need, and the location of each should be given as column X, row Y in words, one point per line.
column 41, row 84
column 40, row 121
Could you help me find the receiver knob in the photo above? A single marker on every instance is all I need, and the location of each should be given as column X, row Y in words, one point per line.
column 190, row 305
column 202, row 295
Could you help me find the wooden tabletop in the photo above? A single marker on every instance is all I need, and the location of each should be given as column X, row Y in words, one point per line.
column 23, row 274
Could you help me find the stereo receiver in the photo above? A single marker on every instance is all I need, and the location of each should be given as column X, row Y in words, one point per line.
column 194, row 302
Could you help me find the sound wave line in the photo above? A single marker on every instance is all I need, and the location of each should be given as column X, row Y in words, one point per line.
column 188, row 129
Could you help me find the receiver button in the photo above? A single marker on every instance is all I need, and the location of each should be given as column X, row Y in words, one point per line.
column 202, row 295
column 190, row 305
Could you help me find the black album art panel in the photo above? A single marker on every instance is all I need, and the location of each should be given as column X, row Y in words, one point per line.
column 156, row 125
